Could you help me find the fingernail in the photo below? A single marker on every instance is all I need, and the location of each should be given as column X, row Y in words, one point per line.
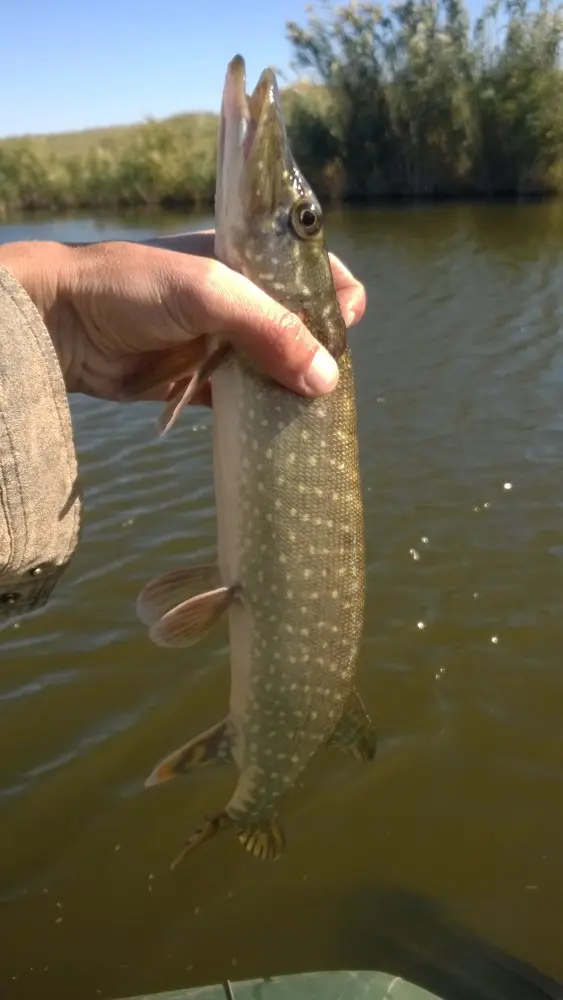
column 322, row 375
column 350, row 317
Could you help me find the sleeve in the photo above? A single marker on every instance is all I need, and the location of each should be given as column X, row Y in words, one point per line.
column 40, row 498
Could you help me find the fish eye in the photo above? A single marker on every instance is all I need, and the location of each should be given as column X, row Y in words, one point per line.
column 306, row 219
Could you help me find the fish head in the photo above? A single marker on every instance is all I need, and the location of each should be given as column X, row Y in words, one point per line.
column 268, row 220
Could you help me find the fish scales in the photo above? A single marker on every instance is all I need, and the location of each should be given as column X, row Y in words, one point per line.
column 299, row 565
column 290, row 546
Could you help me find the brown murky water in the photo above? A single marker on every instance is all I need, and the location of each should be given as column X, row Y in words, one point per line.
column 460, row 392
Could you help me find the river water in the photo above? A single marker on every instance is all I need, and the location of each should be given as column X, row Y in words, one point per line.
column 460, row 396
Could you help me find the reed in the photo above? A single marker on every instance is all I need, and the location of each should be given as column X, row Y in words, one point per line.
column 408, row 102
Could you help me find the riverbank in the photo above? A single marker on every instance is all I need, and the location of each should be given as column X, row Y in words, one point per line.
column 406, row 105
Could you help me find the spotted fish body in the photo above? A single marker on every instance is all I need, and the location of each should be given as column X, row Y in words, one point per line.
column 289, row 506
column 290, row 536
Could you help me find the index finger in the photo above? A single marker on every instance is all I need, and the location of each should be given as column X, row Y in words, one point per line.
column 351, row 293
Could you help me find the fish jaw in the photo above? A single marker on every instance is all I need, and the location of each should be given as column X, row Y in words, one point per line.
column 268, row 220
column 252, row 160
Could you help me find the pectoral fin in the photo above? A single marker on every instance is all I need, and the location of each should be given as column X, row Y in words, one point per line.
column 163, row 367
column 178, row 585
column 355, row 733
column 191, row 620
column 175, row 406
column 211, row 747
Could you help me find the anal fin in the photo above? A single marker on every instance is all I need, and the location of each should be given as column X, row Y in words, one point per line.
column 263, row 840
column 191, row 620
column 355, row 733
column 211, row 826
column 211, row 747
column 172, row 588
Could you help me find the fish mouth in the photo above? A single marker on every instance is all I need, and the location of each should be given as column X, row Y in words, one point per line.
column 253, row 113
column 253, row 153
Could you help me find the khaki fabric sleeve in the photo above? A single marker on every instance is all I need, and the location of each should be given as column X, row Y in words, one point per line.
column 40, row 500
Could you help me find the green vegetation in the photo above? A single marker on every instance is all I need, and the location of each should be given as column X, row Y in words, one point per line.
column 403, row 102
column 419, row 105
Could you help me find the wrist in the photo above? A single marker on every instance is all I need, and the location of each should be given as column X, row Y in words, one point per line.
column 44, row 269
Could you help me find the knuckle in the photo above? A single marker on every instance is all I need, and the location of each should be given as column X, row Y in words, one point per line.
column 294, row 337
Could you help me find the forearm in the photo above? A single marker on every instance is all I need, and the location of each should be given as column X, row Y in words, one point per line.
column 40, row 507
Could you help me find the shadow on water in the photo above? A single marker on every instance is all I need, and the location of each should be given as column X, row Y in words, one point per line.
column 414, row 937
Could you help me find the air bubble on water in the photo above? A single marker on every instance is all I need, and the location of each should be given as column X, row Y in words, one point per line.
column 494, row 638
column 477, row 508
column 507, row 486
column 128, row 522
column 380, row 399
column 441, row 672
column 59, row 920
column 414, row 554
column 117, row 847
column 424, row 540
column 421, row 625
column 476, row 593
column 486, row 504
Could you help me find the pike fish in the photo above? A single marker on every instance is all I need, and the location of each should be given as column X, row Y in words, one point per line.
column 290, row 573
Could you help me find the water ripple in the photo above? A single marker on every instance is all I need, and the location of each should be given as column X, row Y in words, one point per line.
column 459, row 366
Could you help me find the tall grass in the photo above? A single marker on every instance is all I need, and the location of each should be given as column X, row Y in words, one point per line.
column 404, row 101
column 420, row 105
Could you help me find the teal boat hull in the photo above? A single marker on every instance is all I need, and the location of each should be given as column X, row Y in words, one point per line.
column 305, row 986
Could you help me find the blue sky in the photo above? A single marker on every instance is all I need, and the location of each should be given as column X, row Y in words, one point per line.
column 70, row 64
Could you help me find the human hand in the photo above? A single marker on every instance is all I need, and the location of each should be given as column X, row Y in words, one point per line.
column 119, row 311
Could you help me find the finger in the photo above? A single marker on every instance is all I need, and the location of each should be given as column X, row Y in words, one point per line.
column 275, row 339
column 342, row 276
column 352, row 304
column 351, row 293
column 200, row 244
